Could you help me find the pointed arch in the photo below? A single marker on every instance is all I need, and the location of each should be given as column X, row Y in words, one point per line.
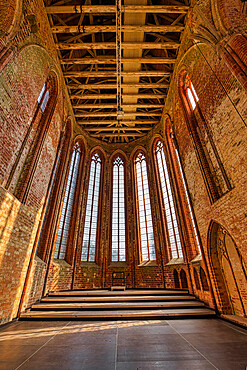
column 183, row 279
column 228, row 269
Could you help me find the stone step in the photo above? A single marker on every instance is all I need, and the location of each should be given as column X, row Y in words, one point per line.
column 95, row 293
column 178, row 313
column 165, row 298
column 115, row 306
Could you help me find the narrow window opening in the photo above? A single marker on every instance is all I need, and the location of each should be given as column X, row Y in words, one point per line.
column 91, row 217
column 63, row 228
column 145, row 214
column 41, row 93
column 191, row 93
column 169, row 207
column 118, row 211
column 45, row 101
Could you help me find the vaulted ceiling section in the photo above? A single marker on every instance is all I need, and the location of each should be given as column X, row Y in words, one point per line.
column 85, row 35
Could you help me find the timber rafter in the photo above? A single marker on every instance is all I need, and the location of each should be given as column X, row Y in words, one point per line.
column 85, row 37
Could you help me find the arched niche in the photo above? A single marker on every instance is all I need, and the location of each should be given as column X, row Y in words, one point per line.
column 9, row 21
column 183, row 279
column 229, row 271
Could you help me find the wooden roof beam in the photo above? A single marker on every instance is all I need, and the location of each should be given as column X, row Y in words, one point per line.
column 112, row 45
column 117, row 134
column 114, row 114
column 99, row 9
column 144, row 85
column 114, row 122
column 114, row 74
column 113, row 128
column 108, row 105
column 112, row 60
column 114, row 96
column 106, row 28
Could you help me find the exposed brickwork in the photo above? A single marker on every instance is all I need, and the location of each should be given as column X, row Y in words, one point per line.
column 219, row 85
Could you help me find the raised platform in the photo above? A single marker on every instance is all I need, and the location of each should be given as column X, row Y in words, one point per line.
column 108, row 305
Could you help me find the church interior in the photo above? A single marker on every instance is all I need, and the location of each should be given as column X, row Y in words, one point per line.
column 123, row 172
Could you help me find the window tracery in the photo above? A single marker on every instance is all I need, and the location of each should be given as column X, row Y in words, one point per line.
column 66, row 213
column 118, row 211
column 168, row 202
column 144, row 207
column 91, row 217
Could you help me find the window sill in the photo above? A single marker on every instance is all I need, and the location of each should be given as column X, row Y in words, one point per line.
column 118, row 264
column 39, row 260
column 148, row 264
column 176, row 261
column 197, row 258
column 89, row 264
column 61, row 262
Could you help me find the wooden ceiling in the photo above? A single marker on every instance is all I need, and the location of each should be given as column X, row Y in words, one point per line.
column 85, row 37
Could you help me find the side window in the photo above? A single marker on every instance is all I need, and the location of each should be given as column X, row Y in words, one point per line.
column 144, row 207
column 168, row 202
column 92, row 209
column 118, row 211
column 65, row 219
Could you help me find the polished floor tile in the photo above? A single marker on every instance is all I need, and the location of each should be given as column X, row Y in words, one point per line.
column 198, row 344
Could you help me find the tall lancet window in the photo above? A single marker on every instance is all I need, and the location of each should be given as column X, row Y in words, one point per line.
column 191, row 93
column 169, row 208
column 118, row 211
column 144, row 207
column 64, row 224
column 91, row 217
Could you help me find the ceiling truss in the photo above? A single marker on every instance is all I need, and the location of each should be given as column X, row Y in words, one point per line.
column 99, row 80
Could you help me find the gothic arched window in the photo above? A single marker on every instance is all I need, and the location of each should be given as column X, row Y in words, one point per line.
column 91, row 217
column 65, row 219
column 214, row 174
column 118, row 243
column 42, row 119
column 144, row 208
column 168, row 202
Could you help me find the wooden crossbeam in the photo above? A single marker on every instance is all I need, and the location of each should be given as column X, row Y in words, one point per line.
column 114, row 122
column 112, row 45
column 112, row 60
column 114, row 96
column 117, row 134
column 143, row 85
column 114, row 114
column 98, row 9
column 110, row 129
column 108, row 105
column 106, row 28
column 114, row 74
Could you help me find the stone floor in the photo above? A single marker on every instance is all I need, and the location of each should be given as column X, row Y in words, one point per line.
column 173, row 344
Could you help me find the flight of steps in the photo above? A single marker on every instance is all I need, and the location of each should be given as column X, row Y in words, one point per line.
column 109, row 305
